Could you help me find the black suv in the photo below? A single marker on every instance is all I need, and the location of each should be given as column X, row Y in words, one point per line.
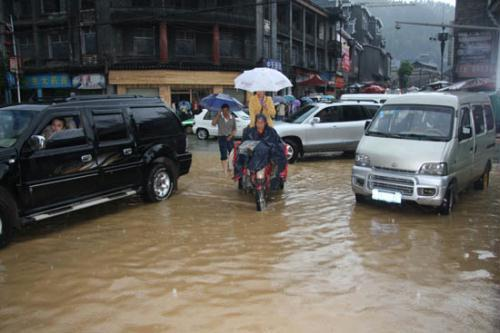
column 83, row 152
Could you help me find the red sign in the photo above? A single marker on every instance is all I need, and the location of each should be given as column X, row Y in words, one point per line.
column 13, row 65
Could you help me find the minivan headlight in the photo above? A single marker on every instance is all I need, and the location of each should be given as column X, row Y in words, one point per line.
column 362, row 160
column 434, row 169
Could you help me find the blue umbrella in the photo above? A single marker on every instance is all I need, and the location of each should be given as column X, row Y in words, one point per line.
column 289, row 98
column 279, row 100
column 214, row 102
column 306, row 100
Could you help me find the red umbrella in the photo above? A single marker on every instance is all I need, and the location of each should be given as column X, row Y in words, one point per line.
column 373, row 89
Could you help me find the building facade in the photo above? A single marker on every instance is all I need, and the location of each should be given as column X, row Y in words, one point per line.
column 179, row 50
column 476, row 51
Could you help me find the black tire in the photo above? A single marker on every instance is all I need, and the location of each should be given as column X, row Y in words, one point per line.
column 8, row 217
column 483, row 182
column 360, row 198
column 240, row 184
column 448, row 202
column 202, row 134
column 161, row 181
column 260, row 200
column 294, row 152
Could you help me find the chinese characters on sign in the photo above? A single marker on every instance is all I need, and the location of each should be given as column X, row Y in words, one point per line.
column 474, row 55
column 41, row 81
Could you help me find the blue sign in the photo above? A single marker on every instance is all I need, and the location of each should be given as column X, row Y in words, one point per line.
column 274, row 64
column 47, row 81
column 11, row 80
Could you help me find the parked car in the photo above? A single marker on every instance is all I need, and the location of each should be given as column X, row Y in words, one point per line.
column 325, row 127
column 89, row 150
column 203, row 124
column 375, row 98
column 426, row 148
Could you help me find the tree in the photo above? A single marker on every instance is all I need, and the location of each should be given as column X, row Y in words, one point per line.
column 404, row 72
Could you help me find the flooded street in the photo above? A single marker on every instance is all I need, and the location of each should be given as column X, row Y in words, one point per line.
column 206, row 261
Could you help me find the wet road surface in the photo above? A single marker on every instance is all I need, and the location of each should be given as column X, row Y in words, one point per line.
column 205, row 261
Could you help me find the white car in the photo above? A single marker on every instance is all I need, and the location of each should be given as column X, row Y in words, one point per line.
column 323, row 127
column 203, row 124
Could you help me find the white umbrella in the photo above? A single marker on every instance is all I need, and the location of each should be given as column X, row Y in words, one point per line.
column 262, row 79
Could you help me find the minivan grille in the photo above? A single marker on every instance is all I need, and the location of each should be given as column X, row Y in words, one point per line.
column 395, row 184
column 394, row 170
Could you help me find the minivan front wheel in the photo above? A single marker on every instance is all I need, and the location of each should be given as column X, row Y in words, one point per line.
column 8, row 215
column 448, row 201
column 161, row 182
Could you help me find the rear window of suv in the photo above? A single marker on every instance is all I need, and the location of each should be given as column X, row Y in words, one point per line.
column 153, row 122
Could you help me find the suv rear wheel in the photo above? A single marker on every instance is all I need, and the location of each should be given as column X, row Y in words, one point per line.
column 8, row 215
column 202, row 134
column 161, row 181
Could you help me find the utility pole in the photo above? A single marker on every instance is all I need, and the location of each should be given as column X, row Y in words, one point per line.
column 442, row 37
column 14, row 49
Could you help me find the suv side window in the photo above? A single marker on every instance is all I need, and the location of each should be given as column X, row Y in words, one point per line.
column 477, row 114
column 352, row 113
column 153, row 122
column 110, row 126
column 329, row 115
column 488, row 114
column 64, row 130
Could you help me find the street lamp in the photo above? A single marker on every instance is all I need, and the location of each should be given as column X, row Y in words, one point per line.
column 442, row 37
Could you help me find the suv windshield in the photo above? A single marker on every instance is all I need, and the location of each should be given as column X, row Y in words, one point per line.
column 413, row 122
column 12, row 125
column 301, row 115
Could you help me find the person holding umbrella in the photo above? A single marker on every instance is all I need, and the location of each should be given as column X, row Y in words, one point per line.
column 261, row 79
column 261, row 104
column 226, row 125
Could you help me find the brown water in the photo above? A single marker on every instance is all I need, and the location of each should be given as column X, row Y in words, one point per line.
column 205, row 261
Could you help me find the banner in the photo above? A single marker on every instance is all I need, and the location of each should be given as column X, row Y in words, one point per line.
column 89, row 82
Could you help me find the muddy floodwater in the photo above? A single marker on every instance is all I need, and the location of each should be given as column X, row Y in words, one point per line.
column 206, row 261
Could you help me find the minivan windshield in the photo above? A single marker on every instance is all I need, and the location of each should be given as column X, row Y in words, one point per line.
column 301, row 115
column 413, row 122
column 13, row 123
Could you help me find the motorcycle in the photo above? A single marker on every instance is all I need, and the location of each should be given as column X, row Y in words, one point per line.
column 261, row 182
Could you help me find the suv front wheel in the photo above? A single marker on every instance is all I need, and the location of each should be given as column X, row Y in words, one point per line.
column 160, row 182
column 8, row 215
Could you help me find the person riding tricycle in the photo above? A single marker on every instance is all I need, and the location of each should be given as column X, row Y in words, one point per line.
column 260, row 163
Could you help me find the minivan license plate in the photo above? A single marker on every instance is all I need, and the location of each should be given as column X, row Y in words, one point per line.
column 386, row 196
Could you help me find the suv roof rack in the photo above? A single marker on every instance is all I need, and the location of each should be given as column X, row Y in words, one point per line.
column 100, row 97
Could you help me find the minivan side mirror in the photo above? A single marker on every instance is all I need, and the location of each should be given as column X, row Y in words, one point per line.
column 36, row 142
column 315, row 120
column 465, row 133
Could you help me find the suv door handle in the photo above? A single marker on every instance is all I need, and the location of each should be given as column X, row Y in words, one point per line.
column 127, row 151
column 86, row 158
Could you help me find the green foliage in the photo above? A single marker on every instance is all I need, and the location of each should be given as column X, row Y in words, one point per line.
column 404, row 72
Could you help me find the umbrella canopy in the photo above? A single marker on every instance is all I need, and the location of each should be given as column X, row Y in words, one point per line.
column 314, row 81
column 373, row 89
column 214, row 102
column 279, row 100
column 262, row 79
column 472, row 85
column 306, row 100
column 290, row 98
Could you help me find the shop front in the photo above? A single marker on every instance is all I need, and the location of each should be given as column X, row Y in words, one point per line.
column 176, row 87
column 46, row 86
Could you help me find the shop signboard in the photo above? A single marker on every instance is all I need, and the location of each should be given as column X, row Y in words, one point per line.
column 346, row 57
column 89, row 82
column 475, row 54
column 47, row 81
column 274, row 64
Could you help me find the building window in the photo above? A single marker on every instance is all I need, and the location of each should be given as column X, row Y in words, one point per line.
column 22, row 8
column 26, row 47
column 295, row 56
column 87, row 4
column 53, row 6
column 58, row 46
column 141, row 3
column 231, row 45
column 88, row 40
column 143, row 43
column 185, row 43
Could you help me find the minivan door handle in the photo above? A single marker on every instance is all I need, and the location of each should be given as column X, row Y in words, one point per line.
column 127, row 151
column 86, row 158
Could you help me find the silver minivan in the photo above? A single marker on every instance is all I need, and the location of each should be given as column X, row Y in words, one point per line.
column 426, row 148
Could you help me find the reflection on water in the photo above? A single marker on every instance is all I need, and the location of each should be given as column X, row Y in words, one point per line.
column 205, row 261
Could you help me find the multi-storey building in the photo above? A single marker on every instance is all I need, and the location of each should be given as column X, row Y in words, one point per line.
column 179, row 50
